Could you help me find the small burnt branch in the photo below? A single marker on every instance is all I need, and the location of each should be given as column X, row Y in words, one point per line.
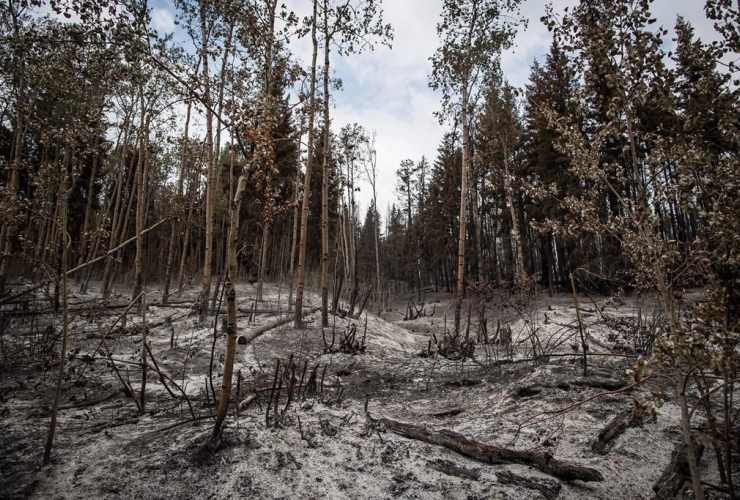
column 616, row 427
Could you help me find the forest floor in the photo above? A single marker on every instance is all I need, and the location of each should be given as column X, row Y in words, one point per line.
column 326, row 445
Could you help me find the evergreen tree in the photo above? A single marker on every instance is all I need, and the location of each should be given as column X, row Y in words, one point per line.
column 550, row 88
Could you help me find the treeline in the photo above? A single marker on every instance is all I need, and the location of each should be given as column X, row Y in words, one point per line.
column 529, row 178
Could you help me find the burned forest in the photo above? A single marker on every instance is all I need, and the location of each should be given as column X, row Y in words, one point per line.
column 374, row 249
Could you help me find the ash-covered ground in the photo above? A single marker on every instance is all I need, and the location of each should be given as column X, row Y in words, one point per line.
column 325, row 445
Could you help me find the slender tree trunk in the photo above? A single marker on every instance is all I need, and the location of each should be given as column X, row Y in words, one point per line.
column 680, row 381
column 379, row 292
column 216, row 162
column 325, row 182
column 41, row 222
column 121, row 231
column 52, row 239
column 294, row 244
column 142, row 303
column 463, row 211
column 125, row 222
column 307, row 182
column 186, row 237
column 263, row 255
column 352, row 230
column 223, row 400
column 283, row 250
column 478, row 233
column 211, row 175
column 141, row 199
column 664, row 287
column 101, row 224
column 354, row 294
column 520, row 273
column 409, row 221
column 546, row 260
column 343, row 216
column 174, row 230
column 8, row 233
column 65, row 324
column 338, row 270
column 40, row 240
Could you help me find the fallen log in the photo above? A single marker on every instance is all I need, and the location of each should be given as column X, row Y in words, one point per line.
column 493, row 454
column 449, row 468
column 605, row 440
column 549, row 489
column 676, row 473
column 249, row 337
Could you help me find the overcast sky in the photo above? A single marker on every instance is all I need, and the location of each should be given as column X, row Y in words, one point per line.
column 387, row 90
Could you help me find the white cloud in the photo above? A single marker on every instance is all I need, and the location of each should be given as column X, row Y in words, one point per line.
column 162, row 20
column 387, row 91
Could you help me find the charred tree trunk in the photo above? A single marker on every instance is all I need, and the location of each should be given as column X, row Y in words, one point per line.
column 463, row 211
column 520, row 273
column 478, row 233
column 493, row 454
column 223, row 401
column 65, row 324
column 325, row 182
column 172, row 243
column 211, row 176
column 141, row 199
column 186, row 237
column 294, row 242
column 298, row 321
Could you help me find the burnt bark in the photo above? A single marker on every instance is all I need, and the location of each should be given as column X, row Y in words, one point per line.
column 493, row 454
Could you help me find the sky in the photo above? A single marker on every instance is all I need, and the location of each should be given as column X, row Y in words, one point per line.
column 387, row 90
